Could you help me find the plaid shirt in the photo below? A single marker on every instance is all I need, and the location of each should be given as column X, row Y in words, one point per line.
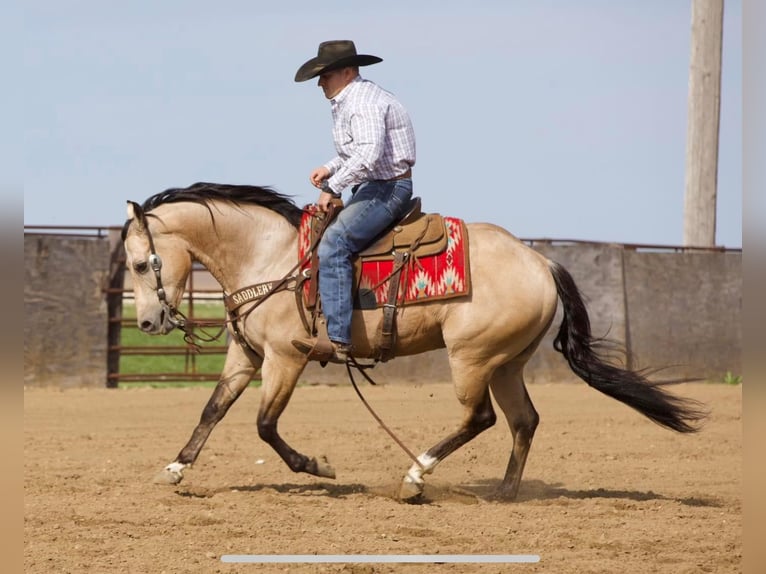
column 373, row 136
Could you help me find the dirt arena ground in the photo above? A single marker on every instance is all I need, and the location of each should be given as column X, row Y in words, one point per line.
column 605, row 490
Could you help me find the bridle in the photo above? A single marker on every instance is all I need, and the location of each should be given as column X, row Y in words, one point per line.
column 174, row 316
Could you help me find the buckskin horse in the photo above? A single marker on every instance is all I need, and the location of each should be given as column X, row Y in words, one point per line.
column 246, row 235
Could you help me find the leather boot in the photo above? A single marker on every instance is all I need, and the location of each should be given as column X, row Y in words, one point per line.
column 323, row 350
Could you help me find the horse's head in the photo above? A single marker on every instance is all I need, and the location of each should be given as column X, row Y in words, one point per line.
column 159, row 266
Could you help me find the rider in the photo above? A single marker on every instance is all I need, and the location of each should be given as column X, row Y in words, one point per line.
column 375, row 143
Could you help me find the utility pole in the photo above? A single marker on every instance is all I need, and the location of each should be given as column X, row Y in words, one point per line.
column 703, row 121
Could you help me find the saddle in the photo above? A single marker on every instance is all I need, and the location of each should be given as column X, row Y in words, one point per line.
column 415, row 235
column 421, row 233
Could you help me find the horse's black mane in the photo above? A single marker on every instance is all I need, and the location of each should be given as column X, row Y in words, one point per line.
column 203, row 193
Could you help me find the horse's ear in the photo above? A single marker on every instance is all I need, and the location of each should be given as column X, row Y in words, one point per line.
column 135, row 212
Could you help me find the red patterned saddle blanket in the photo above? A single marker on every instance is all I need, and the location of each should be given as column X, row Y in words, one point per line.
column 437, row 269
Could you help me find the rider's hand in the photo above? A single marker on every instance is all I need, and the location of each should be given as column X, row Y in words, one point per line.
column 318, row 176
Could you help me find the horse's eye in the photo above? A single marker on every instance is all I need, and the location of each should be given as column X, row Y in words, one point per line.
column 141, row 267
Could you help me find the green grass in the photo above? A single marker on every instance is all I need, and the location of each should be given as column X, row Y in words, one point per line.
column 167, row 385
column 731, row 379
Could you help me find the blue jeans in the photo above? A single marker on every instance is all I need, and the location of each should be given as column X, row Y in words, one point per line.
column 373, row 208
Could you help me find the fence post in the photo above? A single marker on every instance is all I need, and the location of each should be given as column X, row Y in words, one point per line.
column 703, row 123
column 114, row 312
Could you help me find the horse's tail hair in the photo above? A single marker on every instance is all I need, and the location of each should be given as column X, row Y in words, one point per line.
column 585, row 355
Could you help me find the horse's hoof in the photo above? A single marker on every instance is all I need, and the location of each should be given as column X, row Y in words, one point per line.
column 171, row 474
column 504, row 495
column 323, row 467
column 410, row 491
column 167, row 477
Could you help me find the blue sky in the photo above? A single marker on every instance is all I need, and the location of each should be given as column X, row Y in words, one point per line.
column 551, row 118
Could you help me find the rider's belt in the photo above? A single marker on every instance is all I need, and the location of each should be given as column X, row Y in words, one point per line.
column 406, row 175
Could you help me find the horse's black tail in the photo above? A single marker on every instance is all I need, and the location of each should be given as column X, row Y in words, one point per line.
column 581, row 350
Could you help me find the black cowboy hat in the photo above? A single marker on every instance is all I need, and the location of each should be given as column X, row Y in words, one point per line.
column 333, row 55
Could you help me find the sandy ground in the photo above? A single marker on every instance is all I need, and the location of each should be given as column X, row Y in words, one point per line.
column 605, row 490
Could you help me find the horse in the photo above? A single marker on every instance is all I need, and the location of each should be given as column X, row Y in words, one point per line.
column 248, row 235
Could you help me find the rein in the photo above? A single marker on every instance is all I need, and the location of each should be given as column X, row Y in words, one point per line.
column 361, row 368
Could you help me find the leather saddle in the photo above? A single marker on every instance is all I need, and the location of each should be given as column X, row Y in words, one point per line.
column 421, row 233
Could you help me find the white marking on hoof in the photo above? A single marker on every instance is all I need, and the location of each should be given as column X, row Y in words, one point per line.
column 413, row 483
column 426, row 466
column 171, row 474
column 411, row 488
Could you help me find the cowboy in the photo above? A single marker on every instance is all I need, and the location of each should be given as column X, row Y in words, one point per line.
column 375, row 143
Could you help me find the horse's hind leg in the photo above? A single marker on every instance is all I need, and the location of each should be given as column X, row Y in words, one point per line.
column 237, row 373
column 473, row 394
column 508, row 388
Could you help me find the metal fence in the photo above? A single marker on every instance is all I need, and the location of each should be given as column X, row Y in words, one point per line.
column 645, row 290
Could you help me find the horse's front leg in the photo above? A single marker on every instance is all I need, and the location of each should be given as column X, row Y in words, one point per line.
column 280, row 374
column 238, row 371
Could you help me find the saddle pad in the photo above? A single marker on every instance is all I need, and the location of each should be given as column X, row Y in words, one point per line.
column 429, row 278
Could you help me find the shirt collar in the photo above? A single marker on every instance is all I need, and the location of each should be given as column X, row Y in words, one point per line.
column 344, row 93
